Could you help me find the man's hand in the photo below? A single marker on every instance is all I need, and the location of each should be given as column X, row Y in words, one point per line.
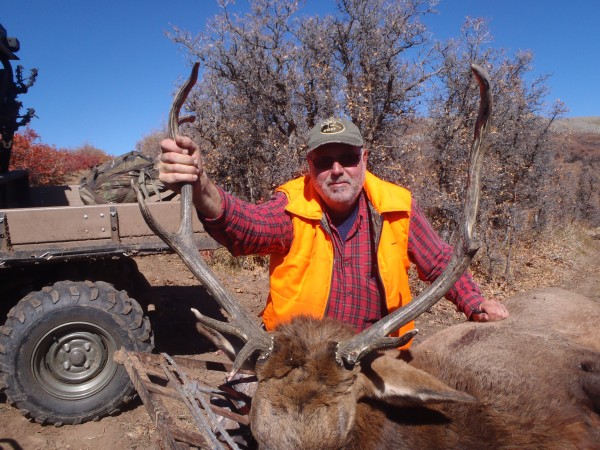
column 179, row 162
column 490, row 311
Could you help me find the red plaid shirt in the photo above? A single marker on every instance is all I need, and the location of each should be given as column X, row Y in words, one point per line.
column 356, row 295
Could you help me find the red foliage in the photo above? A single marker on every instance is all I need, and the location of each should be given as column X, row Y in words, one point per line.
column 48, row 165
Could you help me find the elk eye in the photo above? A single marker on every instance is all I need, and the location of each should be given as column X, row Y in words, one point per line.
column 261, row 360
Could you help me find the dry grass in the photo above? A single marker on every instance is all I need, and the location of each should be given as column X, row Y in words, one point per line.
column 222, row 260
column 578, row 124
column 568, row 257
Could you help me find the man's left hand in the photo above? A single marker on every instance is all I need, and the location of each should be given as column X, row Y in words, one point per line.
column 490, row 311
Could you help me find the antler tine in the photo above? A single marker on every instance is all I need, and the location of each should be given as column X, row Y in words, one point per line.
column 352, row 350
column 182, row 243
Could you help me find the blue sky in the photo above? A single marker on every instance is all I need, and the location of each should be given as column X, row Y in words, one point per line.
column 107, row 72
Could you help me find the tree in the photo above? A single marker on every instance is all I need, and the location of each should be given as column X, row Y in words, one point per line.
column 381, row 53
column 271, row 74
column 520, row 166
column 580, row 199
column 48, row 165
column 43, row 161
column 243, row 104
column 85, row 157
column 149, row 145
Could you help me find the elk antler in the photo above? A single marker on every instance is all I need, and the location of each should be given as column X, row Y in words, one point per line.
column 375, row 337
column 182, row 242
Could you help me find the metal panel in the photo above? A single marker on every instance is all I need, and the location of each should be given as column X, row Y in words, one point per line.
column 70, row 226
column 59, row 224
column 45, row 196
column 131, row 222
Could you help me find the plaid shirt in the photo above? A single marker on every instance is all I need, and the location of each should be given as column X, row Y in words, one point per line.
column 356, row 295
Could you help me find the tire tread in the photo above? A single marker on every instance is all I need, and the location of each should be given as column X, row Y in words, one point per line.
column 99, row 295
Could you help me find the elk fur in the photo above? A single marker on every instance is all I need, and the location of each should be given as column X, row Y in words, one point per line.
column 531, row 381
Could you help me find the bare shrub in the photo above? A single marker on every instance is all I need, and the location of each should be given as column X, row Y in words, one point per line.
column 149, row 145
column 271, row 73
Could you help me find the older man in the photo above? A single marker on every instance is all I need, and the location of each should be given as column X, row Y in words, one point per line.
column 341, row 240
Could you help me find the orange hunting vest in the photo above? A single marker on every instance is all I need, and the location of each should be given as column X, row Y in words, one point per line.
column 300, row 281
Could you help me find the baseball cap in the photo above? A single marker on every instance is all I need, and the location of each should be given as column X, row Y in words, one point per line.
column 334, row 130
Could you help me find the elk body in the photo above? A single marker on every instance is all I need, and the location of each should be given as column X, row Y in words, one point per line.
column 531, row 381
column 535, row 375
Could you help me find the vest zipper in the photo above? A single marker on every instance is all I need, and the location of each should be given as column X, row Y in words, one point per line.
column 327, row 229
column 376, row 223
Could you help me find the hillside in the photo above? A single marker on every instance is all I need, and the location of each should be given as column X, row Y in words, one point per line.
column 579, row 124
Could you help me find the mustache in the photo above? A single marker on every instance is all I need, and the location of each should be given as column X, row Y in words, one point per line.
column 338, row 179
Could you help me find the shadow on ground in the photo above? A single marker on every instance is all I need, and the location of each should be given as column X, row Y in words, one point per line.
column 173, row 322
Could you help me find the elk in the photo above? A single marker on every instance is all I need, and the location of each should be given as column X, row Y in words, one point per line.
column 531, row 381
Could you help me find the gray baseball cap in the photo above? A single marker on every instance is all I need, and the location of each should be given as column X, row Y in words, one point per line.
column 334, row 130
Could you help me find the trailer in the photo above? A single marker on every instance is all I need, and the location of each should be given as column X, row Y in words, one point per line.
column 70, row 288
column 68, row 275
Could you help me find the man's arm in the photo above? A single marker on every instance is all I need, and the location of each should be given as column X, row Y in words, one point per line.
column 243, row 228
column 248, row 229
column 431, row 255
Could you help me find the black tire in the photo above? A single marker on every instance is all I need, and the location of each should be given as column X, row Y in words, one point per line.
column 56, row 351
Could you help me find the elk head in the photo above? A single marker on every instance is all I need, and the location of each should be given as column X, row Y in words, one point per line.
column 305, row 399
column 312, row 374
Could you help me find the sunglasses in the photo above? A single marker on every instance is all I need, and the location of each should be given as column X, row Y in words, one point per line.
column 325, row 162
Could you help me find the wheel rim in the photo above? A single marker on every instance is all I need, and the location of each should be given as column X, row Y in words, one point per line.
column 74, row 360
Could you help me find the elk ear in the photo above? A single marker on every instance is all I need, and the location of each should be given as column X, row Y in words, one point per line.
column 385, row 377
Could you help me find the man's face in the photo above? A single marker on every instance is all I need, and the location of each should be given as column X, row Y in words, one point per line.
column 338, row 174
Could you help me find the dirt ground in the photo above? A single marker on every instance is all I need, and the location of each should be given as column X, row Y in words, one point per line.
column 573, row 264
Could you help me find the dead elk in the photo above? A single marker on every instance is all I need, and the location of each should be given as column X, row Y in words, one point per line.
column 511, row 384
column 529, row 382
column 320, row 386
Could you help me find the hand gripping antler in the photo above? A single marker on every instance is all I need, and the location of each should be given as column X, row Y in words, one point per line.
column 375, row 337
column 182, row 242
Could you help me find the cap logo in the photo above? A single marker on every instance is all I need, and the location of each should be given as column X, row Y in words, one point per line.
column 331, row 127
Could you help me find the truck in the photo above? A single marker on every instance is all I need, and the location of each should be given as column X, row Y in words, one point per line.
column 69, row 284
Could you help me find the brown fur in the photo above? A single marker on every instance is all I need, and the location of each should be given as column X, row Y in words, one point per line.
column 538, row 371
column 536, row 377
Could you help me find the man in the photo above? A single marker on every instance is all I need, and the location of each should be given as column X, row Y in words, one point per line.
column 341, row 240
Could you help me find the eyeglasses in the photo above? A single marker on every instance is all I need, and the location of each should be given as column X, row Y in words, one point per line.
column 325, row 162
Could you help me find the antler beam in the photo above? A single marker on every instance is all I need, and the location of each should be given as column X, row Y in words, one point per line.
column 182, row 242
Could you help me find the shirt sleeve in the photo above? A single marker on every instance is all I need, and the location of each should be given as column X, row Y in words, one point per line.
column 431, row 255
column 252, row 229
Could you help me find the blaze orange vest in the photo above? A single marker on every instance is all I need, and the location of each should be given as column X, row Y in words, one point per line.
column 300, row 281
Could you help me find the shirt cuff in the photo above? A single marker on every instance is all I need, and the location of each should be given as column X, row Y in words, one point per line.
column 220, row 219
column 470, row 303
